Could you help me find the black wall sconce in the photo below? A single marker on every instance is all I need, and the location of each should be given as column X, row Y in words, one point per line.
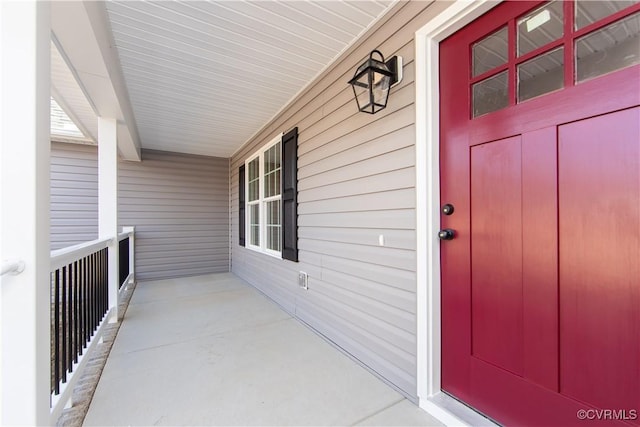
column 372, row 81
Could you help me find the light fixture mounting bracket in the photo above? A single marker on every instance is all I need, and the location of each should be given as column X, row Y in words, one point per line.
column 395, row 66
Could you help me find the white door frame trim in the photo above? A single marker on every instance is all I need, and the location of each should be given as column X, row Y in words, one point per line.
column 427, row 46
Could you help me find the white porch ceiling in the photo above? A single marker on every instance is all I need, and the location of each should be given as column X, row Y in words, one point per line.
column 203, row 77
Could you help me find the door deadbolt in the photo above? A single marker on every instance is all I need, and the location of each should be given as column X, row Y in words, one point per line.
column 447, row 209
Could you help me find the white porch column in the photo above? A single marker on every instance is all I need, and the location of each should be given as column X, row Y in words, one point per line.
column 108, row 201
column 24, row 212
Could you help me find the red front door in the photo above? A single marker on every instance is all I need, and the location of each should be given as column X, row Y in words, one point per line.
column 540, row 159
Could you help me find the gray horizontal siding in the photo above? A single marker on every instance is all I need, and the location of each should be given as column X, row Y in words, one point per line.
column 179, row 205
column 74, row 194
column 356, row 176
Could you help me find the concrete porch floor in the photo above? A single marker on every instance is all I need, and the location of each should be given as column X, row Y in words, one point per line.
column 212, row 350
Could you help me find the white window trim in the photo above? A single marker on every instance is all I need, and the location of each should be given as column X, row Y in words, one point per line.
column 261, row 202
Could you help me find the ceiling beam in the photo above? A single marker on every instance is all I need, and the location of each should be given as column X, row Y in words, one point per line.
column 70, row 96
column 83, row 33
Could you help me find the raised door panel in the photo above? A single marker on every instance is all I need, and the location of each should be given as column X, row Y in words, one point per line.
column 496, row 253
column 599, row 186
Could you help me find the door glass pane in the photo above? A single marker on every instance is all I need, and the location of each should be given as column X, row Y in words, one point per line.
column 253, row 180
column 540, row 27
column 490, row 94
column 608, row 49
column 589, row 11
column 273, row 225
column 540, row 75
column 254, row 224
column 490, row 52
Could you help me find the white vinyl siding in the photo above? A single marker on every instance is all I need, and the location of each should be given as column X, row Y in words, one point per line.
column 74, row 194
column 178, row 203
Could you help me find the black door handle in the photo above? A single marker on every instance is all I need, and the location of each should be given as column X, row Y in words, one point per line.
column 446, row 234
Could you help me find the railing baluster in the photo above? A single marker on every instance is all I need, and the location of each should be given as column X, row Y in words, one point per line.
column 96, row 303
column 83, row 305
column 63, row 332
column 99, row 287
column 80, row 305
column 52, row 350
column 75, row 312
column 69, row 323
column 96, row 294
column 101, row 284
column 123, row 261
column 96, row 290
column 93, row 294
column 105, row 282
column 79, row 302
column 87, row 296
column 56, row 330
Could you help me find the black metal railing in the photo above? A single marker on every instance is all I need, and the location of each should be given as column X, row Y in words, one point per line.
column 80, row 300
column 123, row 261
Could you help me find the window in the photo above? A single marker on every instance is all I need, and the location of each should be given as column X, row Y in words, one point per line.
column 556, row 45
column 268, row 198
column 264, row 199
column 62, row 128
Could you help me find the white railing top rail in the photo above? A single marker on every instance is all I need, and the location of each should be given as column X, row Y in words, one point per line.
column 65, row 256
column 124, row 235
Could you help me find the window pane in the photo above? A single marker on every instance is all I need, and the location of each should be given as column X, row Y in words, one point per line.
column 254, row 224
column 540, row 27
column 589, row 11
column 273, row 225
column 540, row 75
column 61, row 124
column 608, row 49
column 272, row 171
column 253, row 169
column 490, row 94
column 490, row 52
column 254, row 178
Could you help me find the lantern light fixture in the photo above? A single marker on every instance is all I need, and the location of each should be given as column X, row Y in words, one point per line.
column 372, row 81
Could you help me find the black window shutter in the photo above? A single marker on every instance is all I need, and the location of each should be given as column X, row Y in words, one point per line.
column 290, row 195
column 241, row 207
